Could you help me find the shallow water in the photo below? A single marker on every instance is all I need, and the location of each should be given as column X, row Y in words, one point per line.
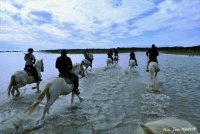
column 116, row 98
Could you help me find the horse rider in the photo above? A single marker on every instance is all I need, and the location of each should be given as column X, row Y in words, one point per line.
column 132, row 57
column 110, row 55
column 64, row 66
column 87, row 56
column 30, row 61
column 116, row 53
column 152, row 54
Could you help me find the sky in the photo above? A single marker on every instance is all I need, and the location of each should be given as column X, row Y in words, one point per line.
column 71, row 24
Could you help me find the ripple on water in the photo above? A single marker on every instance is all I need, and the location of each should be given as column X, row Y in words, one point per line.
column 155, row 104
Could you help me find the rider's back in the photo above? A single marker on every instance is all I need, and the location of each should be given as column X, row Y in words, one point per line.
column 29, row 58
column 64, row 64
column 132, row 55
column 86, row 55
column 110, row 54
column 153, row 53
column 116, row 53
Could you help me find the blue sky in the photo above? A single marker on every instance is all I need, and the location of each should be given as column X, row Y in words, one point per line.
column 55, row 24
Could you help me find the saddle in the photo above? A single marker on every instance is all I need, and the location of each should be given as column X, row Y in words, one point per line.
column 29, row 72
column 67, row 78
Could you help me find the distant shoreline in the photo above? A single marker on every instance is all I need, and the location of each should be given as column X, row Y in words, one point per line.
column 192, row 51
column 177, row 52
column 163, row 52
column 181, row 53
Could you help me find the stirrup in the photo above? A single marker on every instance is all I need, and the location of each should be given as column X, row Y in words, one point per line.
column 147, row 70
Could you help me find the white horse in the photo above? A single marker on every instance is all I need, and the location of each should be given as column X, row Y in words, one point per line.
column 167, row 126
column 109, row 61
column 132, row 64
column 86, row 63
column 21, row 78
column 54, row 88
column 153, row 70
column 116, row 59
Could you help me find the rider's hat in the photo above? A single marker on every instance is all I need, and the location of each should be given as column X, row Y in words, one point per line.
column 30, row 50
column 63, row 51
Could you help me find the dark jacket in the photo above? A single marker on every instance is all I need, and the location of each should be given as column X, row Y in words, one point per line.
column 132, row 55
column 64, row 64
column 116, row 52
column 110, row 54
column 152, row 54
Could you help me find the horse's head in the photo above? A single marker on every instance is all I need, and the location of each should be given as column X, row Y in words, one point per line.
column 39, row 64
column 78, row 70
column 82, row 72
column 85, row 63
column 91, row 56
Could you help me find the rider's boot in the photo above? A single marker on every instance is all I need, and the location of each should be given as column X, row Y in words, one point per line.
column 76, row 91
column 76, row 84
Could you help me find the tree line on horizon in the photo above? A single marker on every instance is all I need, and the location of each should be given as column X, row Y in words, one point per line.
column 123, row 49
column 127, row 49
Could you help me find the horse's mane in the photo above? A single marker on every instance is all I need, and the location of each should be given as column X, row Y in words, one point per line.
column 37, row 61
column 76, row 65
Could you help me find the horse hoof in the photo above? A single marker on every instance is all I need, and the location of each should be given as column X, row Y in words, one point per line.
column 37, row 92
column 17, row 95
column 40, row 122
column 81, row 99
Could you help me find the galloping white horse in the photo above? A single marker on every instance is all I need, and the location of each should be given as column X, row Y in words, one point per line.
column 132, row 64
column 109, row 61
column 21, row 78
column 116, row 59
column 167, row 126
column 54, row 88
column 153, row 70
column 87, row 63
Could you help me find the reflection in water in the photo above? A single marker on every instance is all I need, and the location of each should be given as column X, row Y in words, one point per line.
column 116, row 99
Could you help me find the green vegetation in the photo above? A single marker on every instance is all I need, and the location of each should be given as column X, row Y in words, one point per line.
column 194, row 50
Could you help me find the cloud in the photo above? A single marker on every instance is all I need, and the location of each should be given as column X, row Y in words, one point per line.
column 170, row 14
column 100, row 22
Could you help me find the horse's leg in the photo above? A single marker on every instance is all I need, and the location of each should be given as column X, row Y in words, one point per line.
column 15, row 87
column 151, row 78
column 47, row 106
column 13, row 91
column 38, row 84
column 11, row 85
column 72, row 98
column 90, row 67
column 10, row 88
column 18, row 93
column 85, row 70
column 80, row 98
column 155, row 80
column 156, row 74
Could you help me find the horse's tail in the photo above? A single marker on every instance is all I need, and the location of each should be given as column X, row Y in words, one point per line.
column 12, row 82
column 30, row 109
